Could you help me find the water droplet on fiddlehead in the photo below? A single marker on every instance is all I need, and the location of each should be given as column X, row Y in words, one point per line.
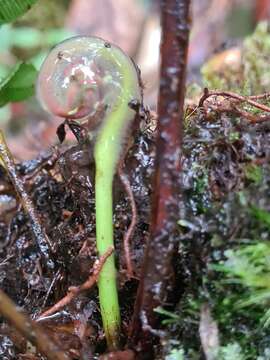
column 78, row 78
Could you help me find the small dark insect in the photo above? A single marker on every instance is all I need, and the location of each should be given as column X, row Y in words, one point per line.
column 134, row 104
column 61, row 132
column 73, row 78
column 60, row 55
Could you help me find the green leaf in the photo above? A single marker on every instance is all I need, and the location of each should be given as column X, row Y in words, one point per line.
column 11, row 9
column 261, row 214
column 172, row 318
column 170, row 314
column 19, row 84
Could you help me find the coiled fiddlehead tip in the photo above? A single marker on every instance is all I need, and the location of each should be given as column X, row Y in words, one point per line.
column 80, row 75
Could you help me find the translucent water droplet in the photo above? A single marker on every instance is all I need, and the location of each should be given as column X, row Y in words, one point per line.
column 78, row 77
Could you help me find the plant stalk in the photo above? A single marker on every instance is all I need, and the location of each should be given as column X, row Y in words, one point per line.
column 108, row 150
column 107, row 279
column 157, row 271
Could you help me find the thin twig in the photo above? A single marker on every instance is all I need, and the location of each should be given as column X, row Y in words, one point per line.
column 260, row 96
column 30, row 330
column 41, row 238
column 130, row 231
column 74, row 291
column 235, row 96
column 55, row 279
column 231, row 107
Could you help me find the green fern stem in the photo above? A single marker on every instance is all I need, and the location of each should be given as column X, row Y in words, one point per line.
column 107, row 151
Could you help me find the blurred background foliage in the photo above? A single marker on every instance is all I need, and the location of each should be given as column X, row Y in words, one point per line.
column 131, row 24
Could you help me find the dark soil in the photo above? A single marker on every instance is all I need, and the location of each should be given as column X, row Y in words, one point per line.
column 219, row 152
column 60, row 183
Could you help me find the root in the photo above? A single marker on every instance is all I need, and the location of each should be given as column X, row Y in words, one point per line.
column 239, row 98
column 125, row 181
column 74, row 291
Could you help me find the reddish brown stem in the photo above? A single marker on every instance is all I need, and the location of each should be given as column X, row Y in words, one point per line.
column 157, row 270
column 73, row 291
column 262, row 11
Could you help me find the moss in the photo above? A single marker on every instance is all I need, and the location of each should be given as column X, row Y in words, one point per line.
column 253, row 173
column 224, row 229
column 224, row 70
column 256, row 52
column 245, row 70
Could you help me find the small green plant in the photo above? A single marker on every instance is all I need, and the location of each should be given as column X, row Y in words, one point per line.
column 171, row 317
column 249, row 266
column 88, row 79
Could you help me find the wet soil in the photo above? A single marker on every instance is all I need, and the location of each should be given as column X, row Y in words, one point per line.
column 60, row 183
column 219, row 152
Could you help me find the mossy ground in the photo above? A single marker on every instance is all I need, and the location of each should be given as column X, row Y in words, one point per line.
column 224, row 223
